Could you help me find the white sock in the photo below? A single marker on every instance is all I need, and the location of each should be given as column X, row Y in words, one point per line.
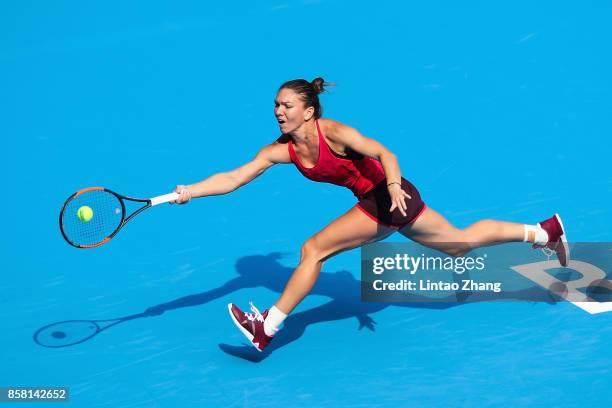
column 274, row 319
column 541, row 236
column 528, row 229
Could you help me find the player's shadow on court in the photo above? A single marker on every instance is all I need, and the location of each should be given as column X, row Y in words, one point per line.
column 341, row 287
column 266, row 271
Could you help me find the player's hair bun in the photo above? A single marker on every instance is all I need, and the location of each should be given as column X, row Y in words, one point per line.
column 318, row 84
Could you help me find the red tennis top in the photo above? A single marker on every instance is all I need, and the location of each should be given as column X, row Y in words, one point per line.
column 359, row 173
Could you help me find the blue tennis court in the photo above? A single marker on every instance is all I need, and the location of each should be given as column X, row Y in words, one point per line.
column 495, row 110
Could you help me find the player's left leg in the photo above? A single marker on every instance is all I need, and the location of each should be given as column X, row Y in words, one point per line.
column 350, row 230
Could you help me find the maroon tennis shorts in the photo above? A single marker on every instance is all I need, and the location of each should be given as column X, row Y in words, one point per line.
column 376, row 203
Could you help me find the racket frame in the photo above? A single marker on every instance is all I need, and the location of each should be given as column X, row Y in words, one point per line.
column 149, row 202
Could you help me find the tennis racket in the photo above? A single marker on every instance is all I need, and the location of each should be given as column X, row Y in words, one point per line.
column 92, row 216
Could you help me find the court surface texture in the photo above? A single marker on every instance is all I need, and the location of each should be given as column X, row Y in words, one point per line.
column 495, row 111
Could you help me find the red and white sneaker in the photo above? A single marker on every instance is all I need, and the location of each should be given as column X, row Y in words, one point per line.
column 557, row 241
column 251, row 325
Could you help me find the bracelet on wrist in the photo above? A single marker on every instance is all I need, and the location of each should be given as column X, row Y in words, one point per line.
column 394, row 182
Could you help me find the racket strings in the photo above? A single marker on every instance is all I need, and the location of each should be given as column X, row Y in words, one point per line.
column 107, row 216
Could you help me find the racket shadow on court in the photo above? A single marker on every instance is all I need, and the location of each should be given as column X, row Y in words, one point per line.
column 72, row 332
column 260, row 271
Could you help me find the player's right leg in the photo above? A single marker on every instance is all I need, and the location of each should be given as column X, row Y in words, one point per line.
column 433, row 230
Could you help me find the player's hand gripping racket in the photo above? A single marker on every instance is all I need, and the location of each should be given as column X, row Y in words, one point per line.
column 92, row 216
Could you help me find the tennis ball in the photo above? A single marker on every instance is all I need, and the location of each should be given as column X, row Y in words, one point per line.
column 85, row 213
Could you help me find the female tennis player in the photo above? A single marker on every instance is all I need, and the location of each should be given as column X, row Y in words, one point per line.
column 328, row 151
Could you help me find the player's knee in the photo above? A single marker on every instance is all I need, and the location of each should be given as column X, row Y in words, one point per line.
column 456, row 242
column 457, row 248
column 456, row 251
column 311, row 251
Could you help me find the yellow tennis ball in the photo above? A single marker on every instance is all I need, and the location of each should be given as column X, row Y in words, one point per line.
column 85, row 213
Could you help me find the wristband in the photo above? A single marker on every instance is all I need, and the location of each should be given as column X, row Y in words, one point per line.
column 394, row 182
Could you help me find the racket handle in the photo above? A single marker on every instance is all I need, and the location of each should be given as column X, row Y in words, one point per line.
column 166, row 198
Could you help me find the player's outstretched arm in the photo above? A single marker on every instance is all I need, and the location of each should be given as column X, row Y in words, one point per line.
column 226, row 182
